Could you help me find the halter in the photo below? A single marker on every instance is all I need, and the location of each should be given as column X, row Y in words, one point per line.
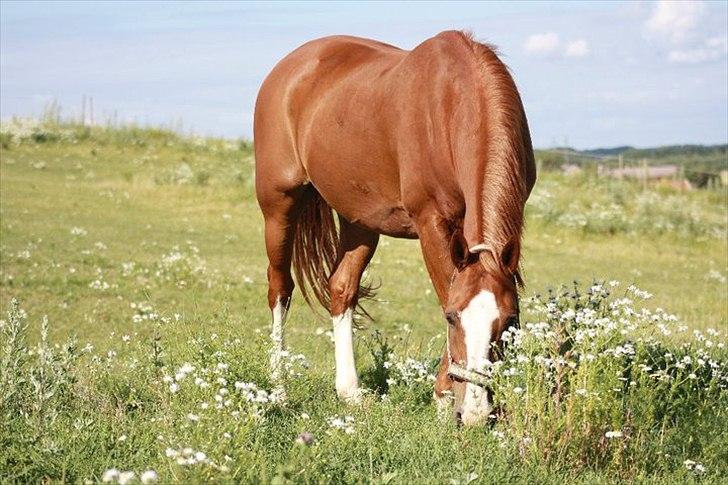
column 467, row 375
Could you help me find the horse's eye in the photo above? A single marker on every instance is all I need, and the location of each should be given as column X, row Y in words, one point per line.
column 451, row 317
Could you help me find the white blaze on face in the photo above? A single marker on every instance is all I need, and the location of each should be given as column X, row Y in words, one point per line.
column 347, row 382
column 477, row 322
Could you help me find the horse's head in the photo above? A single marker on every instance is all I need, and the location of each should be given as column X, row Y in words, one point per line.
column 482, row 304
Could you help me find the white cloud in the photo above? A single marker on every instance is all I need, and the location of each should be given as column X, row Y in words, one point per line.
column 577, row 48
column 690, row 56
column 712, row 48
column 549, row 43
column 674, row 20
column 541, row 43
column 718, row 42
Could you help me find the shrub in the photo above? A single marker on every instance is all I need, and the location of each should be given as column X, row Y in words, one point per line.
column 606, row 206
column 594, row 381
column 36, row 391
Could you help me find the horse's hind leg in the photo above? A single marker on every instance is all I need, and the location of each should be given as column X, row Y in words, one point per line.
column 280, row 211
column 357, row 246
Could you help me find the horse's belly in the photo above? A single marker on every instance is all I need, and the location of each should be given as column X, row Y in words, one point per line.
column 390, row 221
column 365, row 204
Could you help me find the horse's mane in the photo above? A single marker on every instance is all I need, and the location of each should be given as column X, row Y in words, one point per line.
column 509, row 161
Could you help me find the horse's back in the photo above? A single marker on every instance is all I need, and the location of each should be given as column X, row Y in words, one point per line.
column 347, row 86
column 329, row 57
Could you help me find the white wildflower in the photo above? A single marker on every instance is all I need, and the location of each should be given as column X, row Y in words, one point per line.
column 126, row 477
column 149, row 476
column 110, row 475
column 343, row 423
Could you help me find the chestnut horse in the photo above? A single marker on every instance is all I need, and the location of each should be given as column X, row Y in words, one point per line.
column 431, row 143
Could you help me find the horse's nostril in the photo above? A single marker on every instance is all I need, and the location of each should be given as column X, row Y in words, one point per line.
column 451, row 316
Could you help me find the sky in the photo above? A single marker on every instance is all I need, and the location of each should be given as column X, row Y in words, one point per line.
column 591, row 74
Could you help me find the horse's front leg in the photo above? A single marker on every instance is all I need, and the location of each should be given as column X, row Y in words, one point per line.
column 434, row 234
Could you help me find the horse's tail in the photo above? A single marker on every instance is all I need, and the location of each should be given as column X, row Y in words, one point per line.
column 315, row 251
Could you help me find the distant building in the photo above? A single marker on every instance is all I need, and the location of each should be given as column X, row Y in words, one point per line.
column 668, row 175
column 571, row 169
column 653, row 172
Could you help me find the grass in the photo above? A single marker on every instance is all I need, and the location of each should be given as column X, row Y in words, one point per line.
column 148, row 248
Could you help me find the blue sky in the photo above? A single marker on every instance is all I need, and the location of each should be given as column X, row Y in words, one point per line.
column 591, row 74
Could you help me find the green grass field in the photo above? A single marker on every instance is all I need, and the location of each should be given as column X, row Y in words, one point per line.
column 148, row 248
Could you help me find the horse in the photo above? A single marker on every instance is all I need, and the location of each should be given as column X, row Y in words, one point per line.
column 430, row 144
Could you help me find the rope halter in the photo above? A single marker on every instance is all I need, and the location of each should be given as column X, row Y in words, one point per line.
column 470, row 376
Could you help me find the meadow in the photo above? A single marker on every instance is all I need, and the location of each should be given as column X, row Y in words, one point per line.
column 134, row 343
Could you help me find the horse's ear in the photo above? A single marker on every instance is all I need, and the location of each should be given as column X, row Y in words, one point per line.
column 459, row 253
column 509, row 257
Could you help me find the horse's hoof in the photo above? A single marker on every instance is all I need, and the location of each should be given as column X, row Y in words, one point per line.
column 278, row 395
column 443, row 404
column 351, row 395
